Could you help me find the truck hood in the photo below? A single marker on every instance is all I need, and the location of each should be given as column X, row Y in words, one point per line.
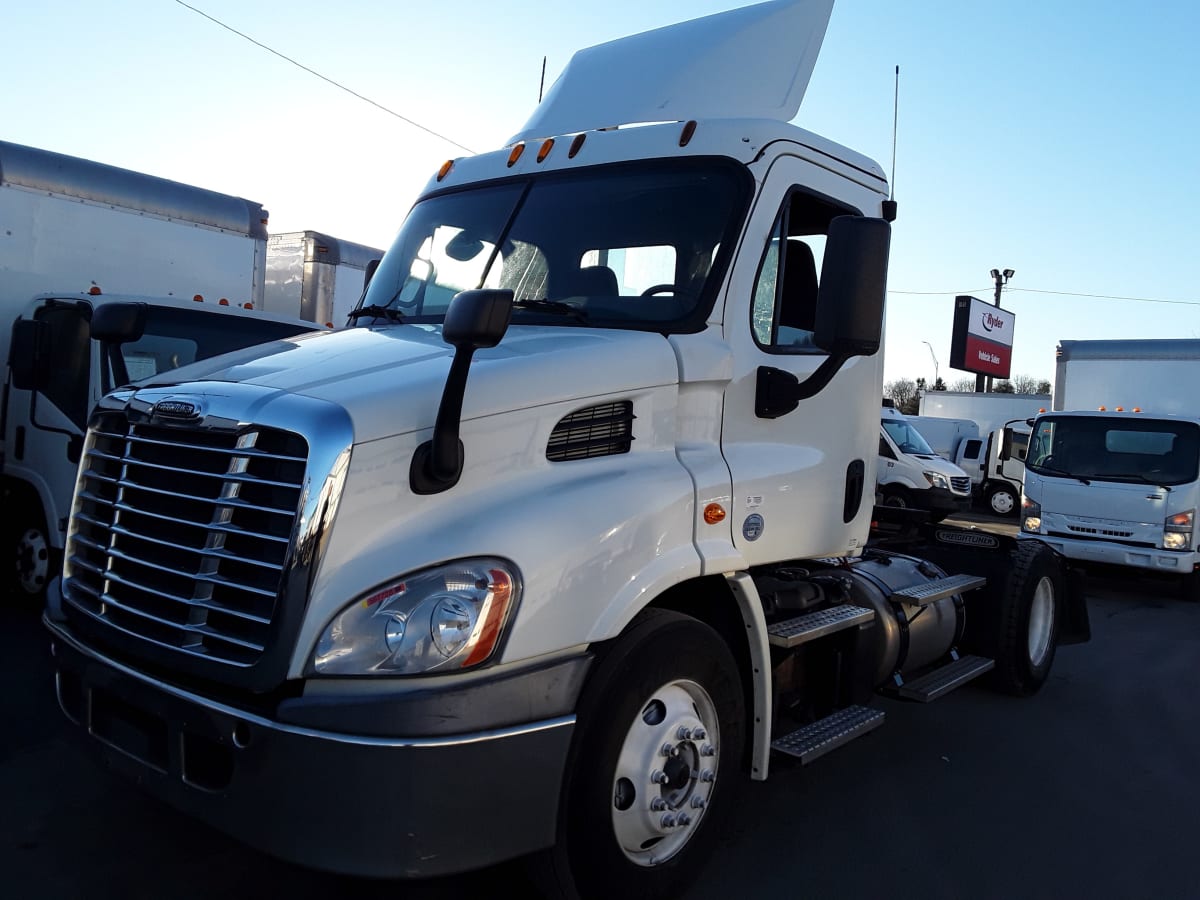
column 390, row 379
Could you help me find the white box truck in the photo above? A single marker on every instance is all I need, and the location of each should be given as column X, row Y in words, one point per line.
column 547, row 553
column 987, row 410
column 316, row 276
column 1113, row 473
column 180, row 263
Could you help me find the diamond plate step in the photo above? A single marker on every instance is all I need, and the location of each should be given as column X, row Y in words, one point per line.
column 933, row 591
column 815, row 740
column 813, row 625
column 943, row 680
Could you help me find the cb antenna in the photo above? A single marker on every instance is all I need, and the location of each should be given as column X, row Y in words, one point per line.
column 889, row 205
column 542, row 86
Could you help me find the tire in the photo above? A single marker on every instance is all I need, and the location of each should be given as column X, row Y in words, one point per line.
column 29, row 560
column 1025, row 623
column 897, row 497
column 1188, row 587
column 1002, row 501
column 622, row 832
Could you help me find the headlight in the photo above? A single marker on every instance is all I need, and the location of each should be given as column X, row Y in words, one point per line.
column 1031, row 515
column 1177, row 531
column 443, row 619
column 937, row 480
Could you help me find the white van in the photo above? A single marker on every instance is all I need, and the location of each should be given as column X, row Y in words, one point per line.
column 911, row 474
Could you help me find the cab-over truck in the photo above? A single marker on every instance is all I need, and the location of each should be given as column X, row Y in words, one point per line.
column 547, row 553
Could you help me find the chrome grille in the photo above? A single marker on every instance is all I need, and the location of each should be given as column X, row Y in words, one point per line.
column 602, row 430
column 961, row 485
column 181, row 536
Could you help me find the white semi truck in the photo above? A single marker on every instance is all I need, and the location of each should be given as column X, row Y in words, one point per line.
column 316, row 276
column 1113, row 473
column 546, row 554
column 174, row 267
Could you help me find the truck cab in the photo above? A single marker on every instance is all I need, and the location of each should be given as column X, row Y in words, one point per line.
column 912, row 474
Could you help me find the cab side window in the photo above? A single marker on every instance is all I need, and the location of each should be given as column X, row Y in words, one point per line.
column 70, row 361
column 784, row 306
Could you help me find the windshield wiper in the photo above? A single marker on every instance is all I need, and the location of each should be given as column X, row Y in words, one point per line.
column 552, row 306
column 1136, row 476
column 1053, row 471
column 378, row 312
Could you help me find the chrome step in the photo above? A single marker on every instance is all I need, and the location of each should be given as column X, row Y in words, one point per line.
column 813, row 625
column 943, row 680
column 933, row 591
column 815, row 740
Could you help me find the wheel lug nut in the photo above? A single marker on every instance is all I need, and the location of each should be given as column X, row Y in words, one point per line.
column 683, row 734
column 708, row 750
column 707, row 776
column 668, row 750
column 658, row 804
column 667, row 821
column 684, row 819
column 659, row 777
column 697, row 802
column 698, row 734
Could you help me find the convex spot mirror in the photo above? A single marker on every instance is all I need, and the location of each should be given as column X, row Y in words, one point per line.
column 850, row 302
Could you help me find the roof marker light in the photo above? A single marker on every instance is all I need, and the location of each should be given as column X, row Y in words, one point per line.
column 247, row 306
column 222, row 302
column 547, row 146
column 1136, row 409
column 689, row 129
column 515, row 155
column 198, row 298
column 1118, row 409
column 576, row 145
column 445, row 169
column 94, row 290
column 1101, row 409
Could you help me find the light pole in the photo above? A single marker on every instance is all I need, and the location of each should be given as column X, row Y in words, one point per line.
column 935, row 363
column 1000, row 277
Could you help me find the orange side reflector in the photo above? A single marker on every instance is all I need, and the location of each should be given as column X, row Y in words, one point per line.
column 576, row 145
column 515, row 155
column 714, row 513
column 547, row 146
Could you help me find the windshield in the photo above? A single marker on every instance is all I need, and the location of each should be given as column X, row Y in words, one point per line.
column 176, row 337
column 907, row 438
column 1156, row 451
column 624, row 246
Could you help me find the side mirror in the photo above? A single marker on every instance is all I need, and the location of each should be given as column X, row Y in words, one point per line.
column 474, row 319
column 29, row 355
column 370, row 273
column 1006, row 444
column 849, row 320
column 118, row 323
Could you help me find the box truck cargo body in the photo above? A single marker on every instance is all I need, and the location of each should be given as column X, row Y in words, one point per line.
column 315, row 276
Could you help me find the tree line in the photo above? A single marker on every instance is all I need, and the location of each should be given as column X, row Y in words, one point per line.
column 906, row 392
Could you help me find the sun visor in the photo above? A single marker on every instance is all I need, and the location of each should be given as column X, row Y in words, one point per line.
column 749, row 63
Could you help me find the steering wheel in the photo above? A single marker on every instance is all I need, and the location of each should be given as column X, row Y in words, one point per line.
column 667, row 289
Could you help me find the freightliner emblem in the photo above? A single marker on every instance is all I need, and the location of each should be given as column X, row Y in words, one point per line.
column 177, row 409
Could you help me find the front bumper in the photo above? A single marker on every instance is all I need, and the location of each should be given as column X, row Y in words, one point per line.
column 352, row 804
column 1114, row 554
column 942, row 500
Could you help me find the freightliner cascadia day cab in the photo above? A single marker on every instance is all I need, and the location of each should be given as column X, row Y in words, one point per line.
column 188, row 264
column 1113, row 473
column 545, row 555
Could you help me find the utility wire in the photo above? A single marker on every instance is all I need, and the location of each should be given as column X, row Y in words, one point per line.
column 390, row 112
column 1057, row 293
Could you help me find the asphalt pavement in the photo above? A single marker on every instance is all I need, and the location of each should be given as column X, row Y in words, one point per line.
column 1089, row 789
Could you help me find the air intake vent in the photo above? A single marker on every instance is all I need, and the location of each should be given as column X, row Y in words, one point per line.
column 180, row 537
column 604, row 430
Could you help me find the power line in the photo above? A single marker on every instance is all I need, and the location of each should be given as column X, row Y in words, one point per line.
column 1057, row 293
column 390, row 112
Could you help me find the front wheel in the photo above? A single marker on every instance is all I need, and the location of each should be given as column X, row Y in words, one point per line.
column 1003, row 500
column 654, row 766
column 30, row 560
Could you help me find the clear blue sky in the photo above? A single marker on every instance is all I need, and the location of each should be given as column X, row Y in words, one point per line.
column 1058, row 139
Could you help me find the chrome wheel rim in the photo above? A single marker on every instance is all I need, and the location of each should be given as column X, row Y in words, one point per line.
column 666, row 772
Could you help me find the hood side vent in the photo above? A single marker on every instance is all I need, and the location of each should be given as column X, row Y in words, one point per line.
column 604, row 430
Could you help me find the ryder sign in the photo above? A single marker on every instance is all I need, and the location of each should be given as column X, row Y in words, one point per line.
column 982, row 339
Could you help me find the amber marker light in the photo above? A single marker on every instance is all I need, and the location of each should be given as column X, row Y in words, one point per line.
column 94, row 290
column 493, row 616
column 714, row 513
column 547, row 146
column 576, row 145
column 223, row 302
column 689, row 129
column 445, row 169
column 515, row 155
column 198, row 298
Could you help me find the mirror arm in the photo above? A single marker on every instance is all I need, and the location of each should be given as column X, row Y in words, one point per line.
column 778, row 393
